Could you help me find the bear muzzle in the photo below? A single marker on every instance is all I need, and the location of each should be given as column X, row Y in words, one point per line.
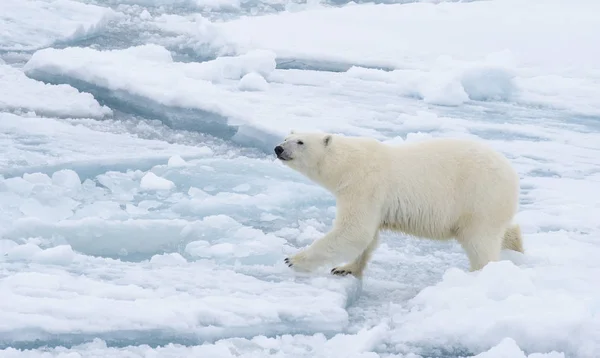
column 279, row 151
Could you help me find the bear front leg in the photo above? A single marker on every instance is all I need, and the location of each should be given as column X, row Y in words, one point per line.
column 357, row 266
column 325, row 250
column 351, row 235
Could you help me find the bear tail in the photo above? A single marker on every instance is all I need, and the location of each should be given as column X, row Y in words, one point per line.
column 512, row 239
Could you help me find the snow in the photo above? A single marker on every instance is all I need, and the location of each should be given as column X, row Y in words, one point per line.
column 151, row 181
column 18, row 93
column 32, row 144
column 33, row 24
column 253, row 82
column 143, row 214
column 407, row 38
column 117, row 296
column 189, row 86
column 176, row 161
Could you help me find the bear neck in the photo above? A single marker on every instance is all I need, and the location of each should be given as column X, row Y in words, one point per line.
column 338, row 171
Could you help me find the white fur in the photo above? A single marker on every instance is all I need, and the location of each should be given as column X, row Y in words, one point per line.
column 437, row 189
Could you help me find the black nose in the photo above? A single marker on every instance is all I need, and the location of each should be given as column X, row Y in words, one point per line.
column 278, row 150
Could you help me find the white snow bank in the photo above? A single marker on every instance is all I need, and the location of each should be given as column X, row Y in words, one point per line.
column 151, row 181
column 253, row 82
column 359, row 345
column 113, row 215
column 195, row 4
column 34, row 24
column 543, row 306
column 18, row 93
column 508, row 348
column 192, row 31
column 60, row 292
column 148, row 72
column 415, row 35
column 66, row 178
column 554, row 65
column 31, row 144
column 176, row 161
column 188, row 252
column 146, row 77
column 178, row 292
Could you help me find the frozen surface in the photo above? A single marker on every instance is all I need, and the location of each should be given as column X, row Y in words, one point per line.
column 18, row 93
column 39, row 143
column 142, row 213
column 34, row 24
column 165, row 298
column 366, row 26
column 201, row 92
column 549, row 64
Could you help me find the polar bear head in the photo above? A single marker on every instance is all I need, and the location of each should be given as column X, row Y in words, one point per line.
column 306, row 153
column 303, row 151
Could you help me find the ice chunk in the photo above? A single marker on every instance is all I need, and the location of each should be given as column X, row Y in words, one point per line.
column 197, row 193
column 253, row 82
column 67, row 179
column 176, row 161
column 195, row 4
column 18, row 93
column 340, row 37
column 485, row 83
column 175, row 85
column 508, row 348
column 235, row 67
column 33, row 24
column 22, row 252
column 225, row 239
column 50, row 213
column 503, row 300
column 18, row 185
column 449, row 93
column 166, row 296
column 151, row 181
column 58, row 255
column 104, row 209
column 194, row 31
column 143, row 237
column 48, row 145
column 351, row 345
column 37, row 178
column 199, row 96
column 6, row 246
column 424, row 33
column 172, row 259
column 241, row 188
column 145, row 15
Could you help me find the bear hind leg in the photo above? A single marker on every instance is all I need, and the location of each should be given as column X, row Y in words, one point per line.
column 481, row 246
column 357, row 266
column 513, row 239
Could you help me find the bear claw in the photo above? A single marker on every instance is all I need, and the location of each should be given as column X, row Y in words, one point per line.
column 287, row 262
column 338, row 272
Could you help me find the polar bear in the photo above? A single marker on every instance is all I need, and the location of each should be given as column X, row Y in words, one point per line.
column 437, row 189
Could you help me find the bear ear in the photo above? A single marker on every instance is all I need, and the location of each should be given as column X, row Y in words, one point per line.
column 327, row 140
column 292, row 131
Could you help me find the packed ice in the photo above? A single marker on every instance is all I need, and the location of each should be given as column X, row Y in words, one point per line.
column 143, row 214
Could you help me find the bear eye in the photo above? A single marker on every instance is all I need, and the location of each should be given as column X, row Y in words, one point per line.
column 300, row 142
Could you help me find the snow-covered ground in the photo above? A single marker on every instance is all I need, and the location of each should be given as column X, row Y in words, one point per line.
column 142, row 213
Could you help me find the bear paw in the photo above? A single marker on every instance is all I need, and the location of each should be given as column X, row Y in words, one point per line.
column 338, row 271
column 300, row 262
